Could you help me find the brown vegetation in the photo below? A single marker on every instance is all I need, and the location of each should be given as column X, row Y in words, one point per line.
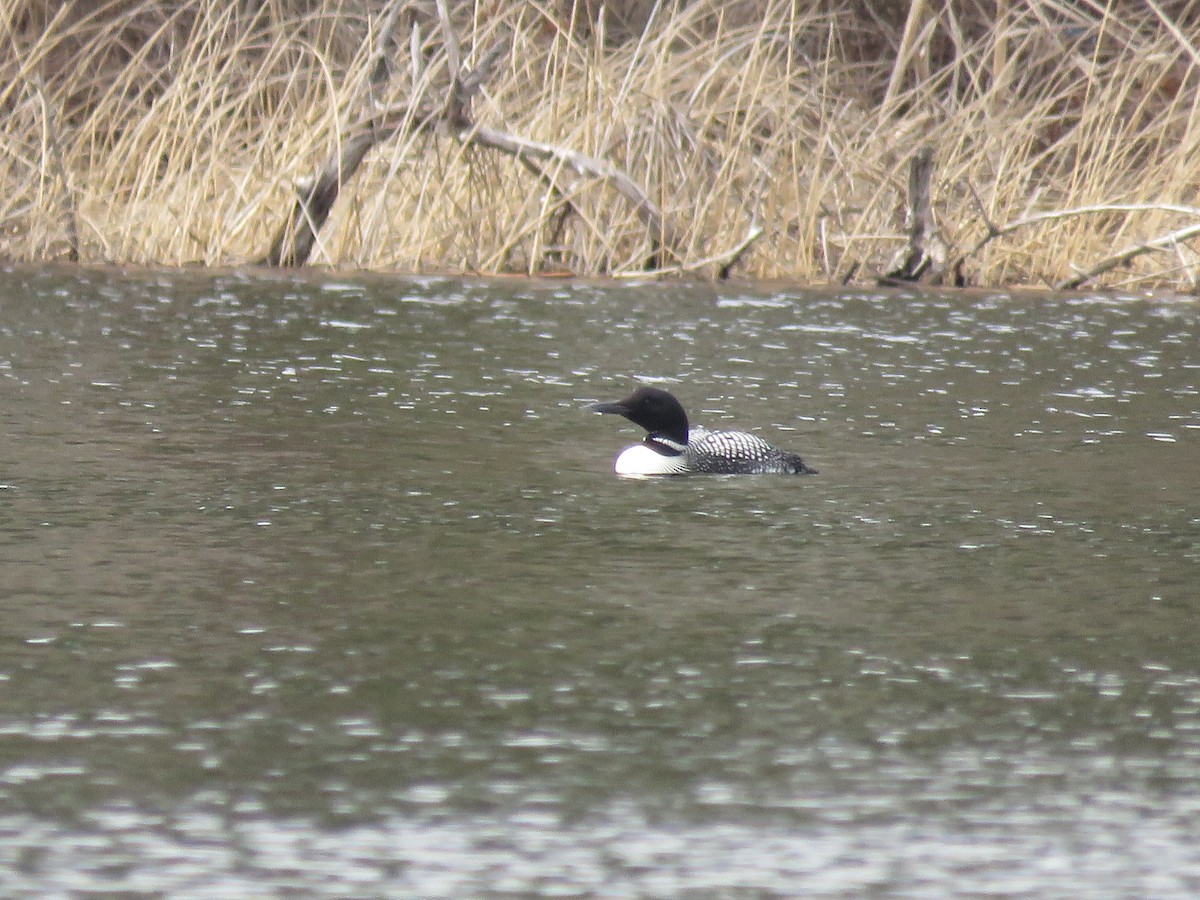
column 774, row 133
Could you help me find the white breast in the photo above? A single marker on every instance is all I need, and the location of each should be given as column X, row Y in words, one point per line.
column 641, row 460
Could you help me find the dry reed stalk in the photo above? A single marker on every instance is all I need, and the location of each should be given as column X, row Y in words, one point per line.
column 183, row 128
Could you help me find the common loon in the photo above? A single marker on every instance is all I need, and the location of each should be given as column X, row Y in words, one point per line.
column 671, row 448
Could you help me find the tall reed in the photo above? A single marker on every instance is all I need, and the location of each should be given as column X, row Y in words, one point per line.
column 176, row 132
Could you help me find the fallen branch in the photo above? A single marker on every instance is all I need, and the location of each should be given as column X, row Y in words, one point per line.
column 524, row 149
column 725, row 261
column 294, row 241
column 734, row 255
column 994, row 231
column 1129, row 253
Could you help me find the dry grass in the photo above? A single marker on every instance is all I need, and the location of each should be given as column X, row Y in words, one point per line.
column 172, row 133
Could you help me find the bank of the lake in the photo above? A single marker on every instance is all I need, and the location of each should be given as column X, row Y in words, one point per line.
column 767, row 135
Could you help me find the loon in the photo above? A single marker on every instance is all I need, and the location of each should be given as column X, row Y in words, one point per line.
column 672, row 448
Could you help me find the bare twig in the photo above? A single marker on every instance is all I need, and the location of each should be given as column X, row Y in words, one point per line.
column 294, row 242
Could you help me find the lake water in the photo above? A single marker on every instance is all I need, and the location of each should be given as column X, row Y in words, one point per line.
column 324, row 586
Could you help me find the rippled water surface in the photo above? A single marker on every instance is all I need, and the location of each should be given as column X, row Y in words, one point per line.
column 325, row 587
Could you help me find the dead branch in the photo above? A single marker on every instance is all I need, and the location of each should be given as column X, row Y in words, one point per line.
column 925, row 260
column 734, row 255
column 994, row 231
column 294, row 242
column 523, row 149
column 1124, row 256
column 724, row 261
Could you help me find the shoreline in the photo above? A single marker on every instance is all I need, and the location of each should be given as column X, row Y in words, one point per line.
column 1057, row 144
column 781, row 285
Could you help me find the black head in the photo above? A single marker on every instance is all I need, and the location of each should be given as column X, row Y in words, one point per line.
column 654, row 409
